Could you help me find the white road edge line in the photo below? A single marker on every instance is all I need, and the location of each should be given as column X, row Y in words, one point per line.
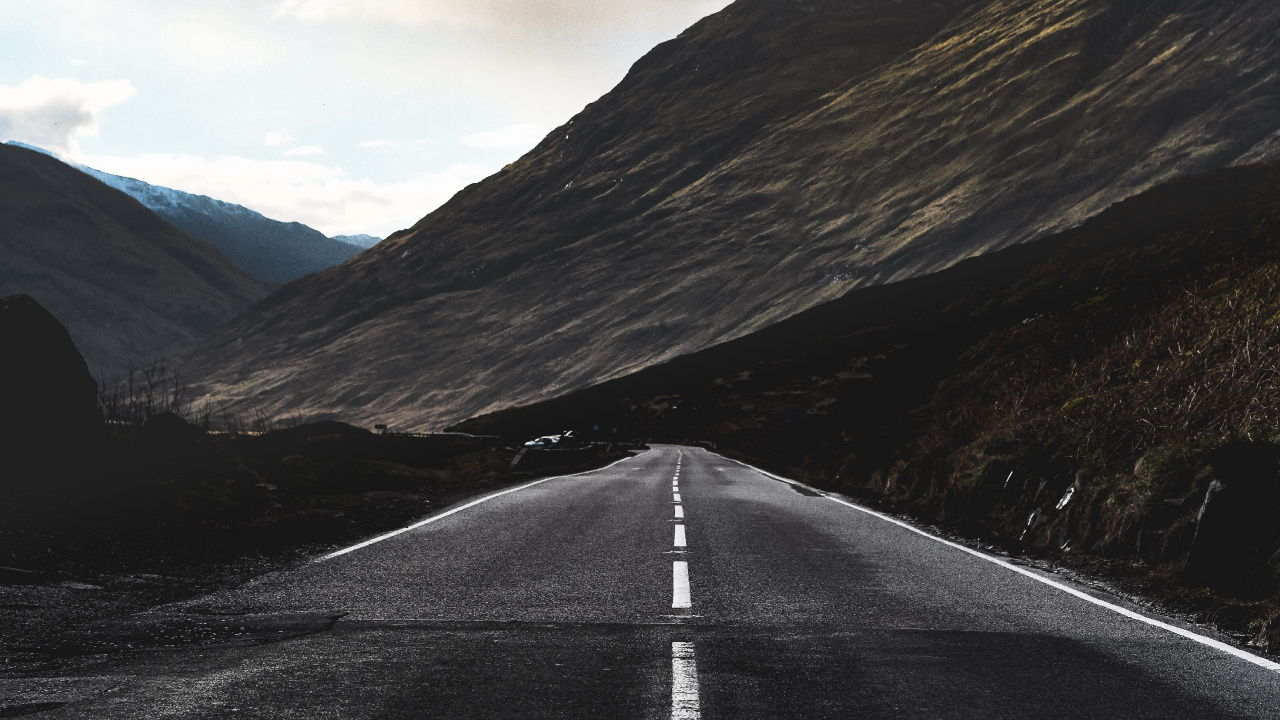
column 459, row 509
column 679, row 540
column 1194, row 637
column 680, row 585
column 684, row 683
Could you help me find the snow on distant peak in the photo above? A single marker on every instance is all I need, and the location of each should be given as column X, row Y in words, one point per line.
column 270, row 250
column 33, row 148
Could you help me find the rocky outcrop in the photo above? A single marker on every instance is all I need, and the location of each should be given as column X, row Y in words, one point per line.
column 48, row 399
column 1237, row 537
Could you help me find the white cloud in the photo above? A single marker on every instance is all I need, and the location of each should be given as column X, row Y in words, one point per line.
column 302, row 151
column 52, row 113
column 407, row 11
column 321, row 196
column 521, row 137
column 382, row 145
column 275, row 139
column 78, row 63
column 521, row 15
column 209, row 41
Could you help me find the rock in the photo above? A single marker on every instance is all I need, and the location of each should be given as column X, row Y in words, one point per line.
column 1236, row 534
column 47, row 395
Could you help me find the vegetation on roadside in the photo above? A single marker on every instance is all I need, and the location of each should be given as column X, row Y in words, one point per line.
column 160, row 389
column 151, row 513
column 170, row 495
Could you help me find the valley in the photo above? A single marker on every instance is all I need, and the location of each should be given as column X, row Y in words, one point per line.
column 896, row 359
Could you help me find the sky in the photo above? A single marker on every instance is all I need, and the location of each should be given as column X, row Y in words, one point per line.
column 351, row 116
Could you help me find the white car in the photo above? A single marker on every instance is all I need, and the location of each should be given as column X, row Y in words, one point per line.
column 544, row 441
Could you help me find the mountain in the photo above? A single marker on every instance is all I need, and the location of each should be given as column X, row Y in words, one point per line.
column 364, row 242
column 128, row 286
column 269, row 250
column 775, row 156
column 1109, row 392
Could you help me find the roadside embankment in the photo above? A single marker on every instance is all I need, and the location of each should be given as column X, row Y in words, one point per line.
column 1107, row 398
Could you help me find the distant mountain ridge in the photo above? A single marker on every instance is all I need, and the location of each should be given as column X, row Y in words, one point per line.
column 270, row 250
column 363, row 242
column 128, row 286
column 774, row 156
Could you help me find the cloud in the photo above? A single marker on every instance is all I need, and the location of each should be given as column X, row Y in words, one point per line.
column 275, row 139
column 520, row 15
column 78, row 63
column 321, row 196
column 382, row 145
column 301, row 151
column 407, row 11
column 210, row 41
column 52, row 113
column 521, row 137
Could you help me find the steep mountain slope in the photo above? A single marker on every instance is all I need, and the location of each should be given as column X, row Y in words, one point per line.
column 269, row 250
column 774, row 156
column 1111, row 391
column 127, row 285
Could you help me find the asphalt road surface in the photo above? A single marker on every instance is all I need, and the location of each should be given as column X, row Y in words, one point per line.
column 676, row 584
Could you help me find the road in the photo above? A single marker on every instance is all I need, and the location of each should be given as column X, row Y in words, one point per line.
column 676, row 584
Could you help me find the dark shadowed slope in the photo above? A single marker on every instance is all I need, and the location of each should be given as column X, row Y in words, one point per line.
column 127, row 285
column 270, row 250
column 774, row 156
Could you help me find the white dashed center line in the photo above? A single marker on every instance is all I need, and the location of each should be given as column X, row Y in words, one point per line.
column 675, row 497
column 684, row 683
column 679, row 540
column 680, row 585
column 679, row 512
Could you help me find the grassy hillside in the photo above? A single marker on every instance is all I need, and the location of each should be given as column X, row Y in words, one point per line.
column 1110, row 393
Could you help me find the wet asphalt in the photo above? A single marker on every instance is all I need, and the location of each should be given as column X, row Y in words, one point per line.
column 557, row 601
